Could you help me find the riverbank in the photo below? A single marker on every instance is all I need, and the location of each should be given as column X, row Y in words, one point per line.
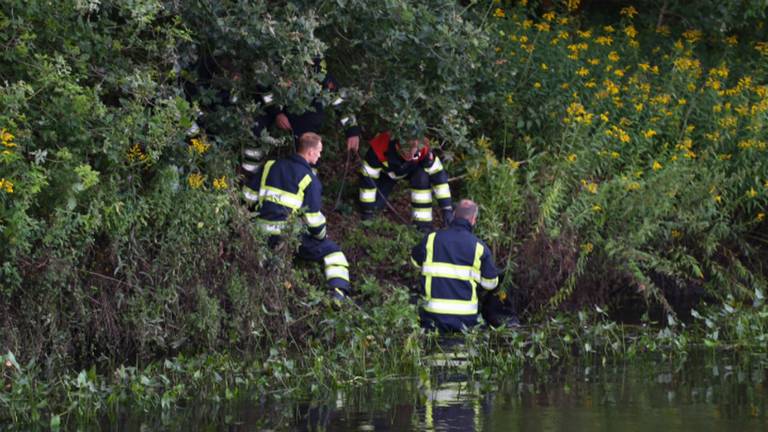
column 386, row 344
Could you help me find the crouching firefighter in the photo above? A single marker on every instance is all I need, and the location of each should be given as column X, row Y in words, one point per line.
column 287, row 186
column 453, row 262
column 386, row 162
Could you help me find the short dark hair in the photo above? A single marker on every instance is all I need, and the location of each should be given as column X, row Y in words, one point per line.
column 308, row 140
column 467, row 209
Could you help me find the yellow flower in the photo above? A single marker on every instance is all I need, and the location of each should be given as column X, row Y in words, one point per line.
column 499, row 13
column 594, row 61
column 630, row 31
column 592, row 187
column 718, row 198
column 650, row 133
column 135, row 153
column 585, row 34
column 6, row 186
column 628, row 11
column 596, row 208
column 571, row 157
column 7, row 138
column 608, row 29
column 619, row 73
column 195, row 180
column 542, row 27
column 633, row 186
column 613, row 56
column 549, row 16
column 732, row 40
column 762, row 48
column 604, row 40
column 751, row 193
column 644, row 66
column 582, row 72
column 587, row 247
column 615, row 155
column 676, row 234
column 656, row 166
column 572, row 5
column 544, row 66
column 693, row 35
column 537, row 85
column 200, row 146
column 760, row 217
column 220, row 183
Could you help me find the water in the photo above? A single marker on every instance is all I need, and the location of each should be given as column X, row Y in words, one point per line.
column 699, row 394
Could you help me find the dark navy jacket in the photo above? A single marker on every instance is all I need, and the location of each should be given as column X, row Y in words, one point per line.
column 453, row 262
column 282, row 187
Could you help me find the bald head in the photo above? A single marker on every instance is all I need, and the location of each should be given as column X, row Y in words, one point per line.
column 467, row 209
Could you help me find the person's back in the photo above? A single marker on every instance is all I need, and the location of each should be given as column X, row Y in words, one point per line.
column 453, row 262
column 284, row 187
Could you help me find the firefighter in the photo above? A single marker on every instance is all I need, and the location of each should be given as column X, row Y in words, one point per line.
column 386, row 162
column 453, row 263
column 310, row 120
column 288, row 186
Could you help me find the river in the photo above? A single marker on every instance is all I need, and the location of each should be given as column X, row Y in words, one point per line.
column 700, row 393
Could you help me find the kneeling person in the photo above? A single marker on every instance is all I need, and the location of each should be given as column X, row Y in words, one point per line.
column 287, row 186
column 453, row 262
column 386, row 162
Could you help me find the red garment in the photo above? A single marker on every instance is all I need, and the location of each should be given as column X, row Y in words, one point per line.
column 380, row 146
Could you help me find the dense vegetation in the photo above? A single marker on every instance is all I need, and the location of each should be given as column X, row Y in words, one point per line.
column 618, row 151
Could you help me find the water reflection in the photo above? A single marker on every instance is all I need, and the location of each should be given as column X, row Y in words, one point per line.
column 699, row 394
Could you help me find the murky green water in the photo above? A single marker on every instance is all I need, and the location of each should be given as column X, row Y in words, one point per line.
column 699, row 394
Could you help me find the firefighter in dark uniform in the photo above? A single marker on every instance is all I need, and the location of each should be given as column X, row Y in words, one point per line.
column 288, row 186
column 453, row 263
column 300, row 123
column 386, row 162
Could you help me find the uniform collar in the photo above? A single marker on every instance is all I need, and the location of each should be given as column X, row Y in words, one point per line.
column 297, row 158
column 462, row 223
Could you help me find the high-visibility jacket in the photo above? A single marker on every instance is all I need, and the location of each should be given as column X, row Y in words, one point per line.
column 384, row 158
column 283, row 187
column 453, row 263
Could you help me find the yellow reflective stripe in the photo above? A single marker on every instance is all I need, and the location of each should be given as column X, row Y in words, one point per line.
column 436, row 167
column 250, row 195
column 264, row 174
column 421, row 196
column 489, row 284
column 321, row 234
column 279, row 196
column 337, row 272
column 367, row 195
column 476, row 266
column 314, row 219
column 442, row 191
column 303, row 185
column 252, row 153
column 451, row 307
column 450, row 271
column 336, row 258
column 250, row 167
column 369, row 171
column 422, row 214
column 270, row 227
column 428, row 260
column 413, row 261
